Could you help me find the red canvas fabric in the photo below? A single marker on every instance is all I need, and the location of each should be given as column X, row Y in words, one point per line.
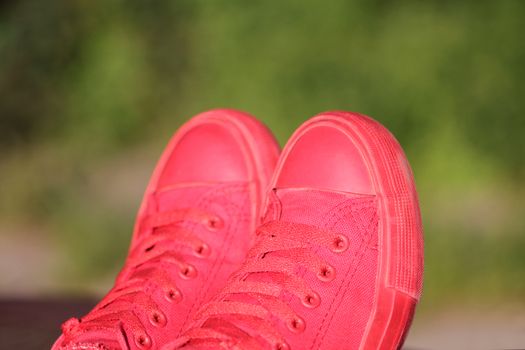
column 337, row 263
column 300, row 215
column 193, row 230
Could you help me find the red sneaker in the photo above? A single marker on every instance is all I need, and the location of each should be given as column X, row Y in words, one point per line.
column 338, row 261
column 194, row 228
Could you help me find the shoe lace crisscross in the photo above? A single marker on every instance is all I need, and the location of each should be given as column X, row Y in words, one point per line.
column 252, row 304
column 168, row 245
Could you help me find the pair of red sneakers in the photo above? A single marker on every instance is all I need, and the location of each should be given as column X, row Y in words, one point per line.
column 236, row 247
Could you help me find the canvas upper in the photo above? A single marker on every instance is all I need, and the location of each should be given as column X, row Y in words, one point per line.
column 338, row 259
column 194, row 228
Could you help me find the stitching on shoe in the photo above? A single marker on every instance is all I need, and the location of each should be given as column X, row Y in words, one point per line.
column 230, row 208
column 353, row 266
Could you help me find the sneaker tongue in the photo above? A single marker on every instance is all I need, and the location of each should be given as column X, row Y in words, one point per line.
column 181, row 196
column 189, row 195
column 308, row 206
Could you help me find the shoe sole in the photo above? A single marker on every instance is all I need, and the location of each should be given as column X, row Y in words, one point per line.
column 399, row 278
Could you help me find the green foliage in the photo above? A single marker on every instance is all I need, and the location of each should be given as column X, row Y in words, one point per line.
column 84, row 83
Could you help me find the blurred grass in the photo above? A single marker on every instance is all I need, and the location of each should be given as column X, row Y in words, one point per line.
column 91, row 91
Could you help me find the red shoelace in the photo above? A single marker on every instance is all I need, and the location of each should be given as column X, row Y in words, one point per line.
column 169, row 244
column 252, row 303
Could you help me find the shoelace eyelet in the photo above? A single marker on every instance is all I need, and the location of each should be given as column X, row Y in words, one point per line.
column 326, row 274
column 203, row 250
column 158, row 319
column 143, row 341
column 281, row 346
column 296, row 324
column 340, row 244
column 311, row 300
column 173, row 295
column 188, row 272
column 215, row 223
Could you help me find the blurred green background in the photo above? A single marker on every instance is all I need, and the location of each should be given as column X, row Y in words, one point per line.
column 92, row 90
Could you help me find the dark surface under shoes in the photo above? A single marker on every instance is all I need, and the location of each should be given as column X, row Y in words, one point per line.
column 35, row 324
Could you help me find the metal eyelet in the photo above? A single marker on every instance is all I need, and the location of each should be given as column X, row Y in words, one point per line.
column 173, row 295
column 281, row 346
column 143, row 341
column 203, row 250
column 296, row 324
column 340, row 244
column 188, row 272
column 158, row 319
column 311, row 300
column 215, row 223
column 326, row 274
